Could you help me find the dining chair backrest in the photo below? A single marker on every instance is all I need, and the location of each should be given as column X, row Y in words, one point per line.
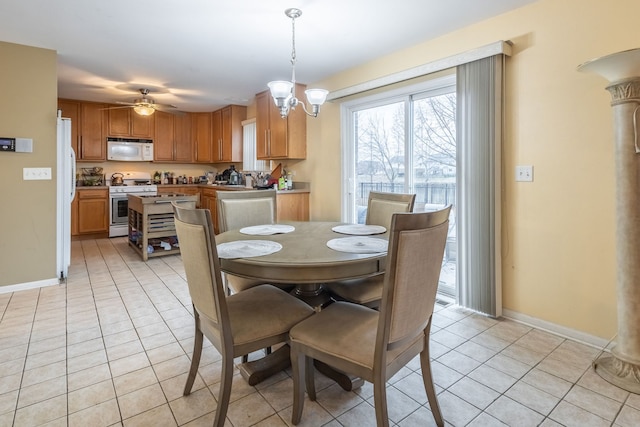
column 375, row 345
column 416, row 247
column 244, row 208
column 194, row 228
column 381, row 206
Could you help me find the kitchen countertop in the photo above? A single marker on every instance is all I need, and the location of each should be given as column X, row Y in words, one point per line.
column 302, row 189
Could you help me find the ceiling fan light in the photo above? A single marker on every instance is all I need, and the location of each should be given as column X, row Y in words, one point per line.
column 144, row 110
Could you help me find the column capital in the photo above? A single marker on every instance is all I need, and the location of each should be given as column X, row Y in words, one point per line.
column 624, row 91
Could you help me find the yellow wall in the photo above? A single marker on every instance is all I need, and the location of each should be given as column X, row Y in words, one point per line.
column 558, row 231
column 28, row 105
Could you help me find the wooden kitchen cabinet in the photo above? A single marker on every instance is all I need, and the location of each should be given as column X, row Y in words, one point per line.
column 292, row 206
column 227, row 133
column 88, row 138
column 202, row 137
column 278, row 138
column 92, row 211
column 172, row 141
column 126, row 123
column 72, row 109
column 208, row 200
column 93, row 144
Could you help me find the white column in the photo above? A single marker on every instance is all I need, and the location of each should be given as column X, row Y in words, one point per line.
column 622, row 70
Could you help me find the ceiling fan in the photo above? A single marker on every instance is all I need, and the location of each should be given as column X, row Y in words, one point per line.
column 146, row 106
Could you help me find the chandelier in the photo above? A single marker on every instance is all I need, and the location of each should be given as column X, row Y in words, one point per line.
column 284, row 92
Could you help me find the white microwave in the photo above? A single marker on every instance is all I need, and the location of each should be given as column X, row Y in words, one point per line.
column 129, row 149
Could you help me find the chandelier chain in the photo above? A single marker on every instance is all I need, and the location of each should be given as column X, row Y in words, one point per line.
column 293, row 51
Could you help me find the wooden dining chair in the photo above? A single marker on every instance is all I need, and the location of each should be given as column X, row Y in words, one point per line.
column 371, row 344
column 238, row 324
column 244, row 208
column 380, row 208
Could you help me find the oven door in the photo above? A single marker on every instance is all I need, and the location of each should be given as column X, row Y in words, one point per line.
column 119, row 209
column 118, row 215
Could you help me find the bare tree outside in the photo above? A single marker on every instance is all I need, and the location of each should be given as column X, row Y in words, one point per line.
column 429, row 169
column 380, row 138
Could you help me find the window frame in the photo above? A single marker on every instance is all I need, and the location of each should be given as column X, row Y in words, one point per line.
column 433, row 86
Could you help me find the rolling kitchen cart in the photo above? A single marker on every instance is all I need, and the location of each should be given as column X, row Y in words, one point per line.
column 152, row 231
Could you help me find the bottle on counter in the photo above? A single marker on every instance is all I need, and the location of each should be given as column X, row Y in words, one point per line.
column 234, row 176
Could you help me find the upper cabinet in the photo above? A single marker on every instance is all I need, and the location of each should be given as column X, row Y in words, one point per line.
column 72, row 110
column 227, row 133
column 278, row 138
column 88, row 138
column 124, row 122
column 172, row 141
column 201, row 136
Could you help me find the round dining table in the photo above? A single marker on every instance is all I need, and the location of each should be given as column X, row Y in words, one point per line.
column 307, row 262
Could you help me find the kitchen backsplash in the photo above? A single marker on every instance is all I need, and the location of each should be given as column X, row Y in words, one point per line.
column 189, row 170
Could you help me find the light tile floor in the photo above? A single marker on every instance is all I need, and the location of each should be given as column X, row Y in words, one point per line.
column 112, row 347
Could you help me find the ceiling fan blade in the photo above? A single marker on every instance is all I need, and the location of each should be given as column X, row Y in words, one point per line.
column 125, row 103
column 167, row 108
column 117, row 108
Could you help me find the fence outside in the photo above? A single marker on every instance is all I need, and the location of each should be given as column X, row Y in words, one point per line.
column 437, row 193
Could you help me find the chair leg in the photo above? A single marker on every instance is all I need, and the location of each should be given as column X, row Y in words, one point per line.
column 195, row 357
column 226, row 379
column 427, row 378
column 380, row 402
column 310, row 379
column 298, row 364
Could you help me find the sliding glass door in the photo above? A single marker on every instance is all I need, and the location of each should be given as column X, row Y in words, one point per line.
column 405, row 142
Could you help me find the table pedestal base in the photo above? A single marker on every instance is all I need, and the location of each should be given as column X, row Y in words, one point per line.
column 347, row 382
column 314, row 294
column 259, row 370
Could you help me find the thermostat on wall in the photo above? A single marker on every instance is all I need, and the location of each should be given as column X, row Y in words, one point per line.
column 18, row 145
column 7, row 144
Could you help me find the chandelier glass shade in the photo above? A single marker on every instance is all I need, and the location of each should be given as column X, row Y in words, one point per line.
column 284, row 92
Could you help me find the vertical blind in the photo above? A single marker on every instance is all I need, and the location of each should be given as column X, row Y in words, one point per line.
column 479, row 145
column 249, row 161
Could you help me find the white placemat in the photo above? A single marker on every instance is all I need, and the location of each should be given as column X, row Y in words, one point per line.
column 247, row 248
column 267, row 229
column 358, row 244
column 359, row 229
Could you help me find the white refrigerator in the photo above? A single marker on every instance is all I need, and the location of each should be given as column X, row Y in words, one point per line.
column 66, row 190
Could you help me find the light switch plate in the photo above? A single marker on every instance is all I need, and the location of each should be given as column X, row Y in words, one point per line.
column 30, row 174
column 524, row 173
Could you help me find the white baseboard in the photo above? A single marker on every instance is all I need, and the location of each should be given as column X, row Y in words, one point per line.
column 29, row 285
column 553, row 328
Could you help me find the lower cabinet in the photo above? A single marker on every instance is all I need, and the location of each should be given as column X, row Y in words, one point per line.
column 208, row 200
column 90, row 212
column 292, row 206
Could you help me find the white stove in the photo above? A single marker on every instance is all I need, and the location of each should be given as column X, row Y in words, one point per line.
column 133, row 183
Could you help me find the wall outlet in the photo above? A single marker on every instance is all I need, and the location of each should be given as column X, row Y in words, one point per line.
column 524, row 173
column 29, row 174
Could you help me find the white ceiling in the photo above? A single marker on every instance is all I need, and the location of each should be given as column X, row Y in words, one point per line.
column 203, row 54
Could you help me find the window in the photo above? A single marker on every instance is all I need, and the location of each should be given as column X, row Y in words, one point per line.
column 404, row 141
